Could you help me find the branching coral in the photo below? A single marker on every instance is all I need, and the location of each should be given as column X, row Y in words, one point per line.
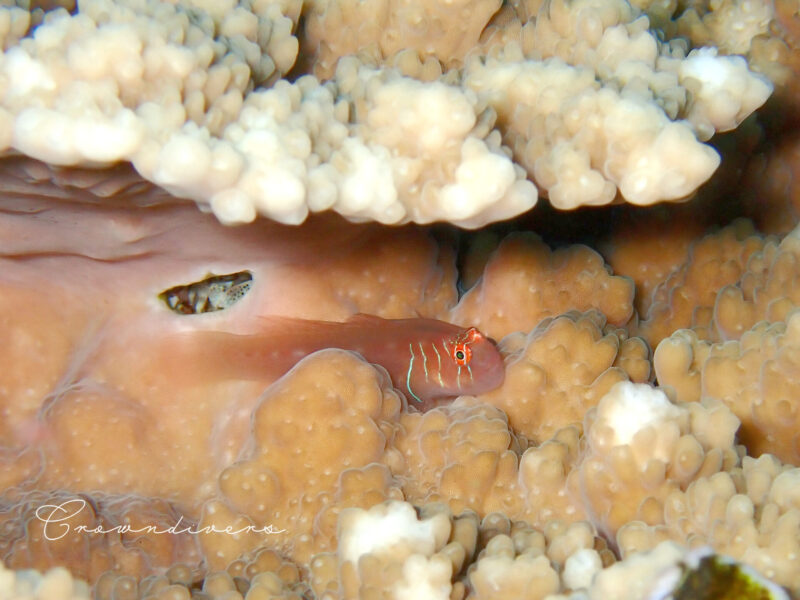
column 768, row 290
column 604, row 111
column 525, row 563
column 546, row 111
column 730, row 25
column 764, row 32
column 294, row 493
column 518, row 562
column 387, row 552
column 749, row 513
column 266, row 576
column 540, row 395
column 151, row 84
column 462, row 454
column 687, row 298
column 432, row 143
column 756, row 377
column 390, row 551
column 648, row 248
column 730, row 281
column 191, row 96
column 552, row 283
column 335, row 28
column 641, row 448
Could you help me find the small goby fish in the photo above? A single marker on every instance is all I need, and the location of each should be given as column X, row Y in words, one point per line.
column 428, row 360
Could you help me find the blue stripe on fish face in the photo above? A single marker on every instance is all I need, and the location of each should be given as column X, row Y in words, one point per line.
column 424, row 361
column 408, row 375
column 458, row 376
column 439, row 366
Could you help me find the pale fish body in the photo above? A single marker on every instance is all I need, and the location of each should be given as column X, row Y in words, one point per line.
column 428, row 360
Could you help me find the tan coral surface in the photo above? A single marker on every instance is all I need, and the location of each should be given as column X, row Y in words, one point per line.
column 552, row 283
column 562, row 368
column 756, row 377
column 687, row 298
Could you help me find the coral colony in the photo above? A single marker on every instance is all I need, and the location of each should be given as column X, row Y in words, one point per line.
column 430, row 300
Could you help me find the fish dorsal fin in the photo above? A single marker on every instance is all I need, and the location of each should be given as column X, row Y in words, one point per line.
column 364, row 319
column 281, row 325
column 272, row 321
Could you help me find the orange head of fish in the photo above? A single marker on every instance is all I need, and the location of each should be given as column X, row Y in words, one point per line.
column 460, row 362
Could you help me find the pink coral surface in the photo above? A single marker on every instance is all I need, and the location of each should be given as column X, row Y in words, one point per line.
column 107, row 396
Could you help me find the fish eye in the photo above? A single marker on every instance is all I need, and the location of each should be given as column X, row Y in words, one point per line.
column 462, row 354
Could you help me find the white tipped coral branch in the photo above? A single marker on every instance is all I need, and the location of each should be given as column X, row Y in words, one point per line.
column 188, row 98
